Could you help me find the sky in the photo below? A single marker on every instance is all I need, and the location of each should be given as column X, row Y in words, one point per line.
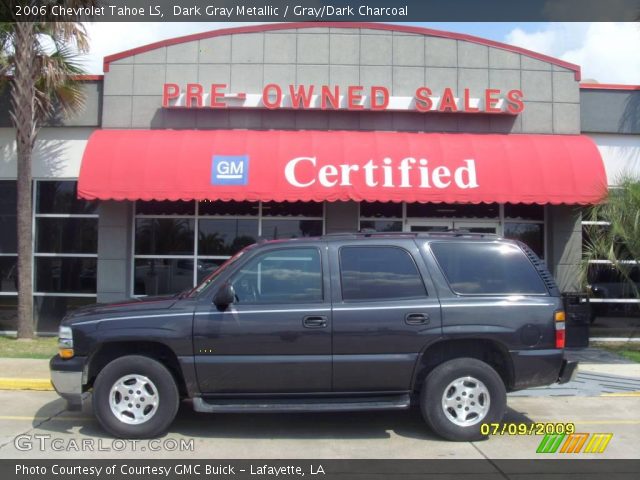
column 607, row 52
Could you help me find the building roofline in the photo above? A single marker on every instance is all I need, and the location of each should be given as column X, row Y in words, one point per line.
column 608, row 86
column 355, row 25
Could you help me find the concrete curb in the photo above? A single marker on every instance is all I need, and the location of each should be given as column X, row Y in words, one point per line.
column 40, row 384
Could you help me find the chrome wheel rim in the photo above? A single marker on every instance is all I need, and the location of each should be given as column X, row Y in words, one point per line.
column 466, row 401
column 134, row 399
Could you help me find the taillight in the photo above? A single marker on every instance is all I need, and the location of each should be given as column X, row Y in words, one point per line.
column 559, row 319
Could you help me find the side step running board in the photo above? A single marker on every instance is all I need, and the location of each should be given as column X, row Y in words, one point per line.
column 277, row 405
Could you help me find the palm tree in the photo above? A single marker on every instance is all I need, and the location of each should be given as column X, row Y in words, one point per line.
column 38, row 62
column 617, row 242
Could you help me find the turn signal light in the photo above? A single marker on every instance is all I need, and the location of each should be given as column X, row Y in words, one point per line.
column 559, row 316
column 65, row 352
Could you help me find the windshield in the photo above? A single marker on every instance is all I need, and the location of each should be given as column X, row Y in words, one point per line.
column 211, row 277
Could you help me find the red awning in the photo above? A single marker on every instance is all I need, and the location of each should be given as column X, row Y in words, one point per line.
column 341, row 165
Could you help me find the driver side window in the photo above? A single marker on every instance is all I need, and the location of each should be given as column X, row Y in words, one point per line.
column 283, row 276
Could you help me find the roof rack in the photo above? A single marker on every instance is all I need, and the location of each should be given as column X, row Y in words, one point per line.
column 448, row 233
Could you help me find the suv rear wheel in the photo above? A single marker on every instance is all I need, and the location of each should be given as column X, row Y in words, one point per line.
column 459, row 396
column 135, row 397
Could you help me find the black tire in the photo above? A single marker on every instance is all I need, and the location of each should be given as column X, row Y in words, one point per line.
column 433, row 390
column 166, row 391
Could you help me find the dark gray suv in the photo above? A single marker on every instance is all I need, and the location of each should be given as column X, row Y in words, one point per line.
column 449, row 321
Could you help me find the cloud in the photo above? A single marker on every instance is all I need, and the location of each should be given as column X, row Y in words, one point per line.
column 607, row 52
column 112, row 37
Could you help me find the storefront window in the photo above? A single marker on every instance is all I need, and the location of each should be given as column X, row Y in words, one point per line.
column 274, row 229
column 524, row 212
column 67, row 235
column 65, row 252
column 176, row 247
column 164, row 236
column 531, row 234
column 8, row 251
column 65, row 275
column 9, row 313
column 49, row 310
column 453, row 210
column 165, row 208
column 381, row 225
column 218, row 208
column 225, row 236
column 380, row 210
column 61, row 198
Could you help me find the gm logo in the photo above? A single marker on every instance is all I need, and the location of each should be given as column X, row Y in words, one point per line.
column 229, row 169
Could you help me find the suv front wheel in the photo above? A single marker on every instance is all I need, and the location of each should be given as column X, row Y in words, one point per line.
column 460, row 395
column 135, row 397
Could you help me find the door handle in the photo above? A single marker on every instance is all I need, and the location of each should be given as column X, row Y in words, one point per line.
column 314, row 321
column 416, row 318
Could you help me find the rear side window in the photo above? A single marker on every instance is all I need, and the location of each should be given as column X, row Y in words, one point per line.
column 379, row 273
column 487, row 268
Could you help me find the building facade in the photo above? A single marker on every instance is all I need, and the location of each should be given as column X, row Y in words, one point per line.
column 141, row 227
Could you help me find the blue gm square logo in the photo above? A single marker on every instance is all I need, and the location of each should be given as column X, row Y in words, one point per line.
column 230, row 170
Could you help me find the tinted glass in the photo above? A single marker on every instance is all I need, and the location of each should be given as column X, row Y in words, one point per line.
column 165, row 207
column 381, row 225
column 228, row 208
column 8, row 313
column 164, row 236
column 8, row 275
column 8, row 197
column 61, row 197
column 375, row 273
column 67, row 235
column 8, row 234
column 158, row 276
column 225, row 237
column 451, row 210
column 65, row 275
column 524, row 212
column 282, row 277
column 274, row 229
column 380, row 210
column 487, row 268
column 49, row 311
column 291, row 209
column 532, row 234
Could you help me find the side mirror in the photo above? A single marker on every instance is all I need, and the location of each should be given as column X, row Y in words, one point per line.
column 225, row 296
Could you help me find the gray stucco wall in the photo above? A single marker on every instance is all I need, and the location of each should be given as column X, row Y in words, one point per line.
column 564, row 245
column 114, row 247
column 340, row 56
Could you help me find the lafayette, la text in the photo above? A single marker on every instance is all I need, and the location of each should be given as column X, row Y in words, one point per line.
column 166, row 470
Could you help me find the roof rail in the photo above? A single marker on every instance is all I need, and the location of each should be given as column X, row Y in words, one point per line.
column 447, row 233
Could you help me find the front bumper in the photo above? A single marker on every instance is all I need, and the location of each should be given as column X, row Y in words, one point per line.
column 68, row 378
column 567, row 371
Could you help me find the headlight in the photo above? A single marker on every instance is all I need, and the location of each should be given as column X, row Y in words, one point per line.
column 65, row 342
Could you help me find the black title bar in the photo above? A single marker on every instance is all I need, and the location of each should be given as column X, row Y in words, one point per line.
column 317, row 11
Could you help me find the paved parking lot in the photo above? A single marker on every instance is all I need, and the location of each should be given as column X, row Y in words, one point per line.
column 36, row 417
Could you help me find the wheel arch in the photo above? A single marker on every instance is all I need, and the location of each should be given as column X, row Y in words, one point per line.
column 109, row 351
column 486, row 350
